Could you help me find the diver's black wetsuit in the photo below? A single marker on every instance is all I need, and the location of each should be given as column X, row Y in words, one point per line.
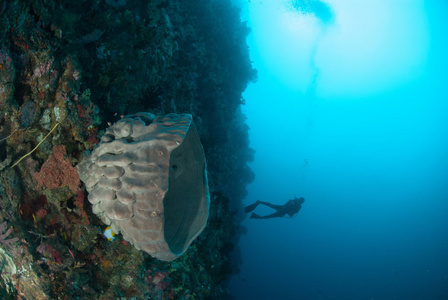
column 290, row 208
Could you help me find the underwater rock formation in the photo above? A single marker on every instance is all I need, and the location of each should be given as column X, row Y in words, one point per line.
column 147, row 179
column 67, row 69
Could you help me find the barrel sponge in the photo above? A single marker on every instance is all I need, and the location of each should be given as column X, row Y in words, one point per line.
column 147, row 179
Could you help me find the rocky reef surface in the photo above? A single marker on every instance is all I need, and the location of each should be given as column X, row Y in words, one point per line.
column 67, row 69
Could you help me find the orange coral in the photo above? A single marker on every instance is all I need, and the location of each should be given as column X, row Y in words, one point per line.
column 57, row 171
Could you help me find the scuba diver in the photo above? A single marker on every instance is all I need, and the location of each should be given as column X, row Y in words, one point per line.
column 290, row 208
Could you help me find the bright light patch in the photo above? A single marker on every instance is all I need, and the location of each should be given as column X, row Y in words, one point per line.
column 296, row 25
column 375, row 46
column 369, row 46
column 283, row 41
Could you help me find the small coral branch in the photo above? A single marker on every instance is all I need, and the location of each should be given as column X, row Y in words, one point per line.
column 3, row 236
column 8, row 135
column 36, row 146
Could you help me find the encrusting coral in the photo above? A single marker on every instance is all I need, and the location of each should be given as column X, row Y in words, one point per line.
column 57, row 171
column 3, row 236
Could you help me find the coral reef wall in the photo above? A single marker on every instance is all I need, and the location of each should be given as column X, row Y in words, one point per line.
column 67, row 69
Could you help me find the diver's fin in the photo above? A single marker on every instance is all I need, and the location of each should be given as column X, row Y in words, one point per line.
column 254, row 216
column 251, row 207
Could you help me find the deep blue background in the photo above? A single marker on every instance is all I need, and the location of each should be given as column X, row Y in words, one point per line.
column 350, row 112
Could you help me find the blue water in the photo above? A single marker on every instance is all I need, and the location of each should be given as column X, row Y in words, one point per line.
column 350, row 111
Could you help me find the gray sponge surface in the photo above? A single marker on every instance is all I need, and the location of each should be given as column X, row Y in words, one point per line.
column 147, row 179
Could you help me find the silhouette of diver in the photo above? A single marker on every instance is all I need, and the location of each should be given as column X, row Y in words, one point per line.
column 291, row 208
